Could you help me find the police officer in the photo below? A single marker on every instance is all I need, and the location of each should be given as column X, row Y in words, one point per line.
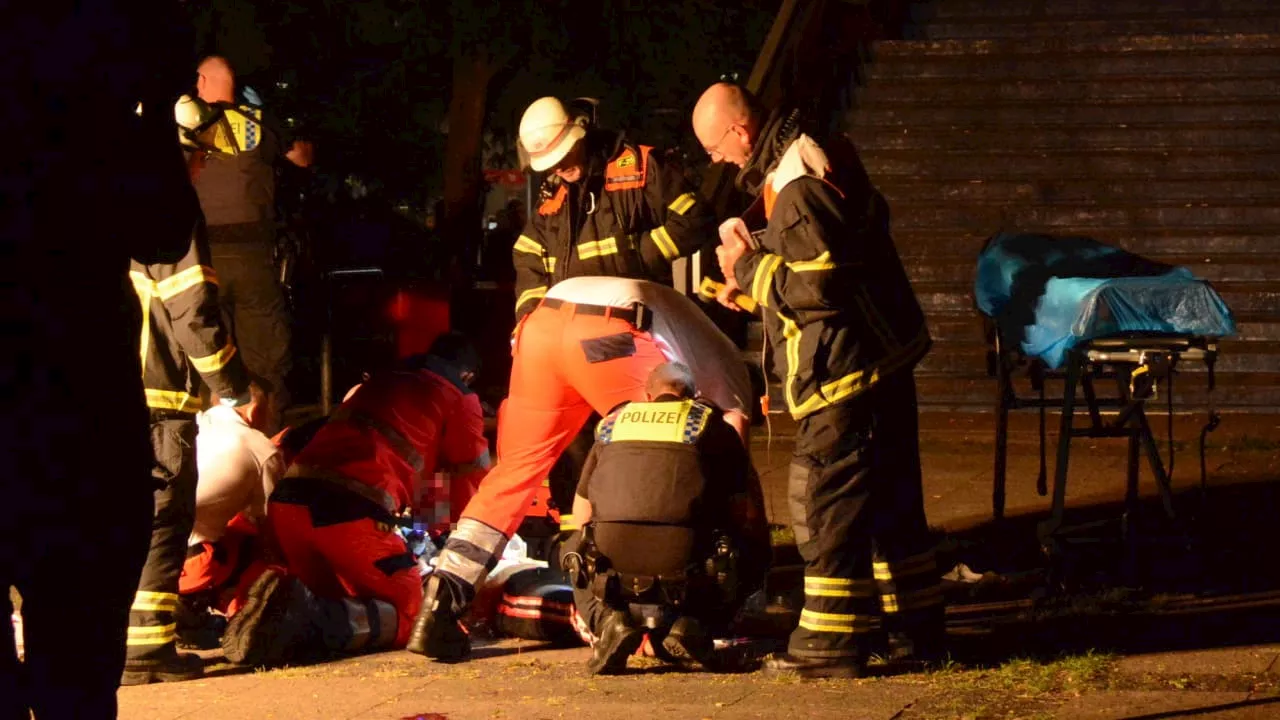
column 234, row 176
column 674, row 537
column 848, row 331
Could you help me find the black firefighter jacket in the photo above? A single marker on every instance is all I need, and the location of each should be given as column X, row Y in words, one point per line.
column 839, row 309
column 183, row 340
column 631, row 215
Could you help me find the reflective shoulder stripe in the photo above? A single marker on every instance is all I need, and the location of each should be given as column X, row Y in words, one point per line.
column 526, row 244
column 681, row 204
column 531, row 294
column 189, row 278
column 672, row 422
column 822, row 262
column 665, row 244
column 173, row 400
column 215, row 362
column 394, row 437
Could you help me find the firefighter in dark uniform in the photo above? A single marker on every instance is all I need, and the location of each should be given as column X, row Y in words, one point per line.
column 674, row 538
column 847, row 331
column 609, row 207
column 183, row 343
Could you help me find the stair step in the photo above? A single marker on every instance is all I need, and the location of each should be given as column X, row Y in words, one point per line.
column 929, row 242
column 959, row 28
column 1200, row 65
column 1051, row 9
column 1192, row 111
column 992, row 88
column 1089, row 137
column 1236, row 357
column 1050, row 217
column 1214, row 267
column 995, row 164
column 907, row 191
column 1067, row 45
column 1242, row 298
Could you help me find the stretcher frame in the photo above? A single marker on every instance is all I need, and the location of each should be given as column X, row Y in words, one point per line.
column 1137, row 363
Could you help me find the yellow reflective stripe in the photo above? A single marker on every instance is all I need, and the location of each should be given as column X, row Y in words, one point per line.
column 907, row 567
column 173, row 400
column 665, row 244
column 153, row 635
column 549, row 264
column 842, row 388
column 763, row 281
column 143, row 286
column 838, row 587
column 567, row 523
column 822, row 262
column 588, row 250
column 682, row 203
column 912, row 601
column 526, row 244
column 652, row 422
column 189, row 278
column 531, row 294
column 834, row 622
column 157, row 601
column 215, row 362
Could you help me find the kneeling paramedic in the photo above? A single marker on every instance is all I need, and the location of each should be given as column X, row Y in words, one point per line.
column 351, row 582
column 673, row 540
column 589, row 346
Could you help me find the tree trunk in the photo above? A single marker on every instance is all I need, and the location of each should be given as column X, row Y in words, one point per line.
column 460, row 226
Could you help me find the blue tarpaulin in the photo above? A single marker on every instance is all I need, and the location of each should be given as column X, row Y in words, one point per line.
column 1055, row 292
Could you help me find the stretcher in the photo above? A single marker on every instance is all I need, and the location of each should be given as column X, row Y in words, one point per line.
column 1074, row 310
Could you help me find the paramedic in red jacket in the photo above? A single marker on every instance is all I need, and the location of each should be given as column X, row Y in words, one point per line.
column 351, row 583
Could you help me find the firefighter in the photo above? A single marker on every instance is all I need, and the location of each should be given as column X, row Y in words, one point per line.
column 589, row 346
column 75, row 522
column 234, row 165
column 350, row 583
column 610, row 207
column 848, row 332
column 673, row 534
column 183, row 343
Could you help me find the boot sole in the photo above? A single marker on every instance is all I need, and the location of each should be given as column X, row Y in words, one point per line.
column 829, row 672
column 616, row 662
column 241, row 642
column 682, row 653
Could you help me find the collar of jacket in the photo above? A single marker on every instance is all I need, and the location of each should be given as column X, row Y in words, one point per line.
column 782, row 127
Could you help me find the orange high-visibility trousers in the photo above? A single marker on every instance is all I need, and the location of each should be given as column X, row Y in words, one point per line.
column 565, row 364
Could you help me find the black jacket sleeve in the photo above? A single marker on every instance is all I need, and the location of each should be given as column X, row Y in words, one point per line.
column 683, row 220
column 534, row 267
column 189, row 291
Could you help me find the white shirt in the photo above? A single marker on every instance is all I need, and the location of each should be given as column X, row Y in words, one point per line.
column 682, row 330
column 238, row 467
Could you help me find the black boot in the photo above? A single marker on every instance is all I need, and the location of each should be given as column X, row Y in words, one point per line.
column 168, row 665
column 619, row 639
column 436, row 632
column 814, row 668
column 198, row 629
column 273, row 623
column 688, row 644
column 920, row 648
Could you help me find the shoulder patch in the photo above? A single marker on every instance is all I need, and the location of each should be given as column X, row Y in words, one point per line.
column 552, row 205
column 628, row 170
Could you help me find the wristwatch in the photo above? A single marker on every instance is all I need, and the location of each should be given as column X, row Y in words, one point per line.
column 243, row 398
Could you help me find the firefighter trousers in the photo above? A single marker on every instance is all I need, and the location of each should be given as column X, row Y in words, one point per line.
column 360, row 569
column 253, row 306
column 857, row 508
column 565, row 364
column 152, row 619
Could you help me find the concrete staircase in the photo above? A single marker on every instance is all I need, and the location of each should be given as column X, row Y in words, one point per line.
column 1151, row 124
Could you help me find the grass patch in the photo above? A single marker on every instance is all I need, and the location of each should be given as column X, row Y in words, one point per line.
column 1022, row 687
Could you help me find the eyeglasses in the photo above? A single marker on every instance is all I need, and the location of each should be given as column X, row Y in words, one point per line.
column 714, row 150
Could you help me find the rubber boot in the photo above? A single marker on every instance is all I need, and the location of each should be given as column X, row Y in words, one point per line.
column 619, row 639
column 815, row 668
column 169, row 665
column 436, row 633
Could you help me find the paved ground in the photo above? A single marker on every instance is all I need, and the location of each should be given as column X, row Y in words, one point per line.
column 1195, row 632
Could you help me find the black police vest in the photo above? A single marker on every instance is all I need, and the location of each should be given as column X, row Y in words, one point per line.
column 648, row 490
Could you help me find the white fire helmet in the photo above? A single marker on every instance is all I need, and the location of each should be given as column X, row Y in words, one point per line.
column 547, row 133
